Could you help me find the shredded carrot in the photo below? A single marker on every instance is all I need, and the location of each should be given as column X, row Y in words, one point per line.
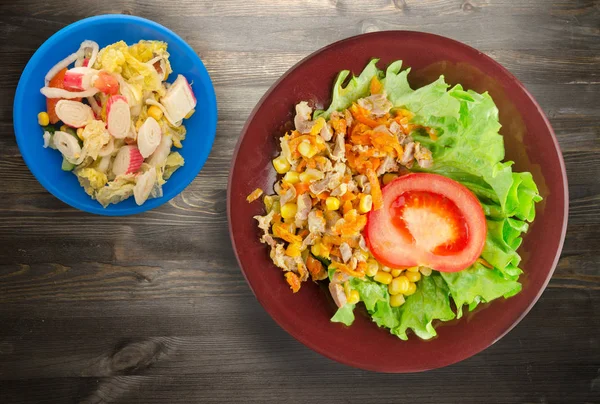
column 375, row 189
column 315, row 267
column 339, row 125
column 301, row 166
column 348, row 196
column 281, row 232
column 361, row 115
column 303, row 233
column 293, row 280
column 254, row 195
column 375, row 85
column 345, row 268
column 337, row 240
column 485, row 263
column 347, row 206
column 301, row 187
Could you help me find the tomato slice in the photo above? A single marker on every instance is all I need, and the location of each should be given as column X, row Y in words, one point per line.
column 106, row 83
column 429, row 220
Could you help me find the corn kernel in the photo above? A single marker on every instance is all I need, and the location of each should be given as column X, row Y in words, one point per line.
column 413, row 276
column 396, row 272
column 43, row 119
column 281, row 165
column 397, row 300
column 354, row 297
column 372, row 267
column 155, row 112
column 383, row 277
column 389, row 177
column 399, row 285
column 288, row 211
column 315, row 249
column 80, row 133
column 347, row 288
column 365, row 204
column 386, row 269
column 64, row 128
column 189, row 115
column 291, row 177
column 293, row 250
column 413, row 269
column 332, row 203
column 412, row 288
column 306, row 149
column 426, row 271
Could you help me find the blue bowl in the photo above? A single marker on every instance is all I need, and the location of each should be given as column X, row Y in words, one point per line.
column 45, row 164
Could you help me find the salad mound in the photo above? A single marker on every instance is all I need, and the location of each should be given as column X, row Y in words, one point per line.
column 400, row 199
column 114, row 118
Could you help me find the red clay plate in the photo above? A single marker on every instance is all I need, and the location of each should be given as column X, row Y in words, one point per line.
column 529, row 141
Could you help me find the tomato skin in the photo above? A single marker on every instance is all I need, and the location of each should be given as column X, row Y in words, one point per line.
column 394, row 246
column 107, row 83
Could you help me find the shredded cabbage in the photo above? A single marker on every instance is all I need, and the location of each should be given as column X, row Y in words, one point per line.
column 117, row 190
column 94, row 136
column 91, row 179
column 173, row 162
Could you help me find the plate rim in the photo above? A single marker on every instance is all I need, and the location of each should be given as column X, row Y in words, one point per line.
column 306, row 341
column 65, row 198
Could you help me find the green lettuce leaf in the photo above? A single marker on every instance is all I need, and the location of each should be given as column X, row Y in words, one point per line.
column 430, row 302
column 344, row 315
column 357, row 87
column 478, row 284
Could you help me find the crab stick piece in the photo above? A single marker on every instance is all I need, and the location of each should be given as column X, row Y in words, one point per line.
column 79, row 78
column 149, row 136
column 128, row 160
column 143, row 186
column 179, row 99
column 162, row 151
column 74, row 113
column 118, row 116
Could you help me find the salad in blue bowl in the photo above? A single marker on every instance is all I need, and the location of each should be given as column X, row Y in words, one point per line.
column 115, row 115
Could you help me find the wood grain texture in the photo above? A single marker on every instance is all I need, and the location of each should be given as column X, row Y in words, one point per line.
column 153, row 308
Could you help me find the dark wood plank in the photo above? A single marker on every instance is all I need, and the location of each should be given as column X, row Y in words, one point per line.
column 153, row 308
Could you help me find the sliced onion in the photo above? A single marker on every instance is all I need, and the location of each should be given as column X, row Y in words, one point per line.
column 58, row 67
column 68, row 146
column 143, row 186
column 95, row 107
column 52, row 92
column 149, row 137
column 108, row 148
column 95, row 48
column 72, row 58
column 103, row 164
column 118, row 116
column 150, row 101
column 74, row 113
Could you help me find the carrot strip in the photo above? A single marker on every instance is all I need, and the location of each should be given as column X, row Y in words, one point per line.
column 293, row 280
column 375, row 189
column 375, row 85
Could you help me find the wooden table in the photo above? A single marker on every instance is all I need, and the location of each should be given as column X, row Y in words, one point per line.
column 153, row 308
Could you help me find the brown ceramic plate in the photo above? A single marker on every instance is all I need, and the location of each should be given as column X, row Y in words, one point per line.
column 529, row 141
